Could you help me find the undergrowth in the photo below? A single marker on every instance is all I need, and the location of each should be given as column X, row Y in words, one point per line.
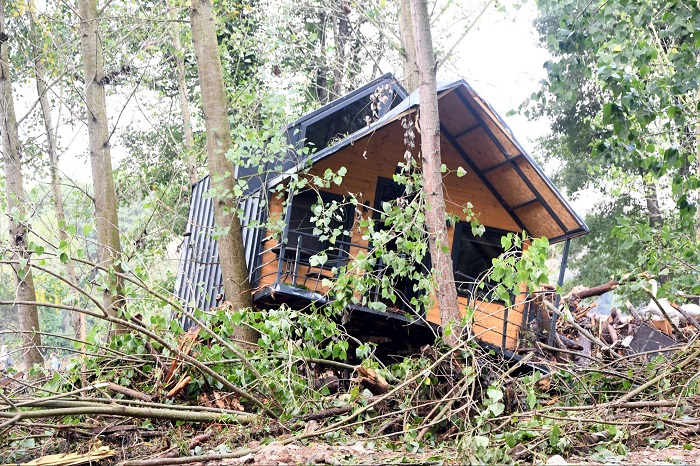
column 466, row 398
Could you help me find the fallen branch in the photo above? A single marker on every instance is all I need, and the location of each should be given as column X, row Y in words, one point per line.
column 659, row 377
column 372, row 381
column 685, row 315
column 130, row 411
column 324, row 413
column 53, row 403
column 594, row 291
column 580, row 329
column 129, row 392
column 574, row 345
column 663, row 311
column 563, row 350
column 344, row 422
column 179, row 386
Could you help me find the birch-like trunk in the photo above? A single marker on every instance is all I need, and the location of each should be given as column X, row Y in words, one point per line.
column 190, row 151
column 215, row 106
column 76, row 319
column 651, row 197
column 408, row 54
column 100, row 159
column 341, row 33
column 697, row 170
column 24, row 282
column 446, row 291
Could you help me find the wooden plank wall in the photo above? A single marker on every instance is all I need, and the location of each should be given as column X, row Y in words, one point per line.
column 377, row 155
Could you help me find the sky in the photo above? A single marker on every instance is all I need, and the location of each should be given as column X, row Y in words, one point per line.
column 502, row 60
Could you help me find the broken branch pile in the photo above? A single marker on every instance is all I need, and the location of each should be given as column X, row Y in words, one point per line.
column 575, row 332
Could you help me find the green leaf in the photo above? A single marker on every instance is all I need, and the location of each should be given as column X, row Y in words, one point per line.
column 461, row 172
column 497, row 408
column 494, row 393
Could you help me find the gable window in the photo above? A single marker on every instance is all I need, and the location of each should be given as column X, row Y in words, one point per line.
column 472, row 258
column 346, row 115
column 302, row 223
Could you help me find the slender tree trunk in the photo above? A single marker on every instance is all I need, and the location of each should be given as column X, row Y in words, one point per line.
column 697, row 171
column 322, row 93
column 215, row 105
column 410, row 69
column 446, row 290
column 100, row 159
column 656, row 219
column 76, row 319
column 24, row 282
column 190, row 151
column 341, row 33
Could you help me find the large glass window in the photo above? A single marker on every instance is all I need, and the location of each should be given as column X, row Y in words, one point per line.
column 302, row 224
column 472, row 257
column 347, row 116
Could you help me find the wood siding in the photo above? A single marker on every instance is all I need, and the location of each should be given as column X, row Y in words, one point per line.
column 378, row 156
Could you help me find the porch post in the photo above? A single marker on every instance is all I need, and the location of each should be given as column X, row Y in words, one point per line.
column 560, row 282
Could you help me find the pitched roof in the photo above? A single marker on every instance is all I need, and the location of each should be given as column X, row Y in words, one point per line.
column 490, row 149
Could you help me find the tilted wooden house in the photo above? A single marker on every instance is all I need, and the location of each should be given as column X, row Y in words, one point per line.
column 503, row 184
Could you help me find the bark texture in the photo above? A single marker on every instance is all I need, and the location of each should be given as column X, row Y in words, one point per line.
column 446, row 290
column 341, row 32
column 410, row 68
column 190, row 150
column 651, row 196
column 24, row 282
column 76, row 319
column 100, row 158
column 215, row 104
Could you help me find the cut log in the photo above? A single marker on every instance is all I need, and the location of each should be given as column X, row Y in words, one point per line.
column 372, row 381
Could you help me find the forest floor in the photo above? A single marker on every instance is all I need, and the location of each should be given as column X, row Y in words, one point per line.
column 351, row 450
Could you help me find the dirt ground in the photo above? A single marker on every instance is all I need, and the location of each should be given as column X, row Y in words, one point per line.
column 668, row 455
column 321, row 453
column 360, row 453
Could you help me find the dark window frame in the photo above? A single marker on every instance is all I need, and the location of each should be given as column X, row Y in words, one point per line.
column 480, row 245
column 297, row 132
column 314, row 245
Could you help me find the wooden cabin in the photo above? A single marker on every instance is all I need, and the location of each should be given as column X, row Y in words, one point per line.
column 504, row 186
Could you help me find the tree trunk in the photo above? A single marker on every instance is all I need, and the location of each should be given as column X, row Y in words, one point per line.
column 215, row 104
column 697, row 171
column 109, row 245
column 446, row 290
column 76, row 319
column 190, row 151
column 321, row 78
column 341, row 33
column 656, row 219
column 24, row 282
column 410, row 69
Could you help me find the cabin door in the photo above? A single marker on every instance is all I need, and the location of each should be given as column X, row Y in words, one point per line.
column 403, row 287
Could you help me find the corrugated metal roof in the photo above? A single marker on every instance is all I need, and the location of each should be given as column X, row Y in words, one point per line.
column 198, row 283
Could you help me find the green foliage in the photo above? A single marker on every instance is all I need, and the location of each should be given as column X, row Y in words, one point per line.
column 399, row 252
column 288, row 339
column 622, row 92
column 522, row 262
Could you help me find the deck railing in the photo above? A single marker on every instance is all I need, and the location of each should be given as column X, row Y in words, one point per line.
column 303, row 267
